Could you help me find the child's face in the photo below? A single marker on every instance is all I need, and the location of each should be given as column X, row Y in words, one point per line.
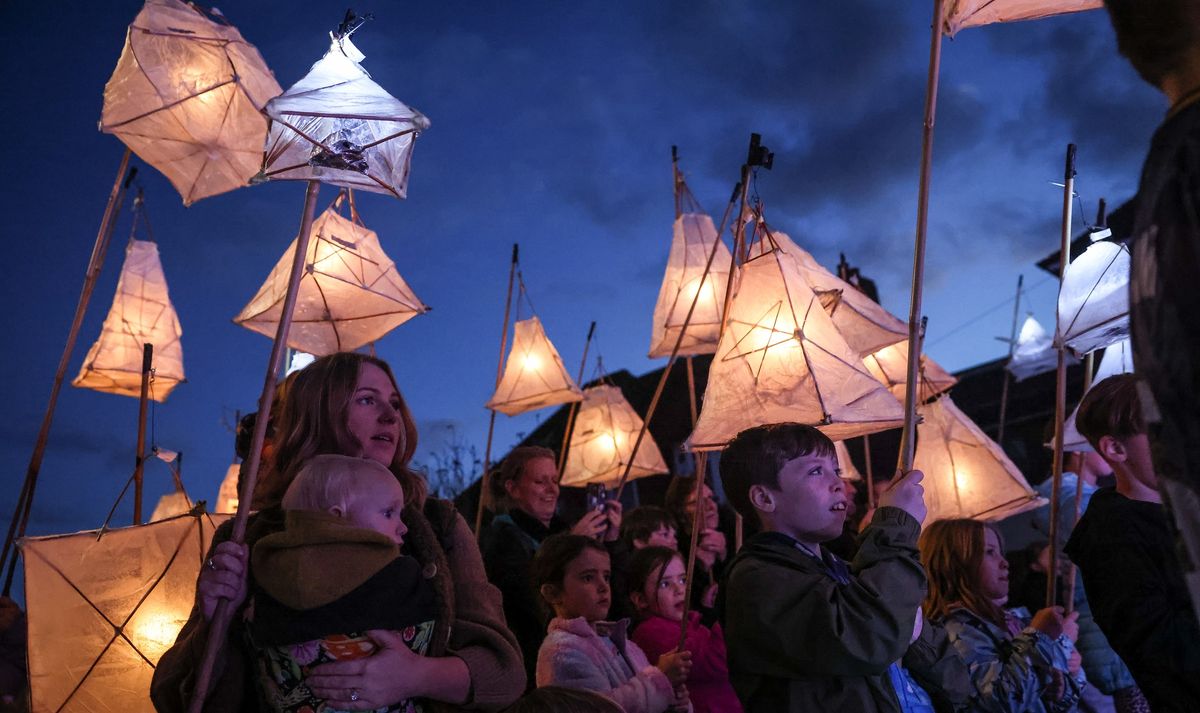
column 378, row 501
column 665, row 590
column 664, row 536
column 585, row 587
column 810, row 504
column 993, row 570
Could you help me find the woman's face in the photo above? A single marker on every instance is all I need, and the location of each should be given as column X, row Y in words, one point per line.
column 536, row 490
column 993, row 570
column 373, row 416
column 710, row 508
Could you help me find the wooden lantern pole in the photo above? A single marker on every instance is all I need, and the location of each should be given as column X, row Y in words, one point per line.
column 1012, row 346
column 487, row 451
column 1069, row 575
column 108, row 221
column 139, row 464
column 219, row 624
column 697, row 519
column 573, row 409
column 1060, row 388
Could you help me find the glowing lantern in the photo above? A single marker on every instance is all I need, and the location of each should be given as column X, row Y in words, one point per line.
column 890, row 366
column 227, row 494
column 141, row 314
column 1117, row 359
column 338, row 126
column 187, row 96
column 104, row 606
column 534, row 376
column 866, row 326
column 691, row 245
column 602, row 441
column 1093, row 302
column 349, row 295
column 781, row 359
column 849, row 472
column 170, row 505
column 973, row 13
column 966, row 473
column 1034, row 352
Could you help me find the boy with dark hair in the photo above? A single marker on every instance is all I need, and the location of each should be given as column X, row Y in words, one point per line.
column 1124, row 549
column 806, row 632
column 648, row 525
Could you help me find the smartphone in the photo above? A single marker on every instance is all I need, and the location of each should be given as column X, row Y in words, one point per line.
column 597, row 496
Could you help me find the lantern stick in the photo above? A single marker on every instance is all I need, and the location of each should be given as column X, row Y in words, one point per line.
column 487, row 451
column 691, row 376
column 697, row 518
column 870, row 472
column 908, row 438
column 95, row 263
column 1069, row 576
column 1060, row 387
column 220, row 621
column 574, row 407
column 140, row 459
column 1012, row 346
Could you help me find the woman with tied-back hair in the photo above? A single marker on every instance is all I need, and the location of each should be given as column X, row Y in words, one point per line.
column 349, row 404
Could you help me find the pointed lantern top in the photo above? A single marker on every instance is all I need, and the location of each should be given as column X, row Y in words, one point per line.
column 1093, row 302
column 1033, row 353
column 966, row 473
column 602, row 441
column 186, row 97
column 534, row 375
column 974, row 13
column 890, row 366
column 691, row 244
column 350, row 293
column 338, row 126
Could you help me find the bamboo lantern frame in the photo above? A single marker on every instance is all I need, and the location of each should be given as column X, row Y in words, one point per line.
column 890, row 366
column 602, row 441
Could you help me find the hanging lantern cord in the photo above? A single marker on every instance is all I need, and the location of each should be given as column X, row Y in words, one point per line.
column 574, row 408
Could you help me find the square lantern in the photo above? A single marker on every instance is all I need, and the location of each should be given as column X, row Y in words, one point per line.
column 187, row 98
column 350, row 293
column 534, row 375
column 692, row 243
column 602, row 439
column 1093, row 302
column 890, row 366
column 141, row 314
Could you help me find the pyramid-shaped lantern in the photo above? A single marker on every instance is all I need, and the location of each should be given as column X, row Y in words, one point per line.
column 1093, row 303
column 534, row 375
column 171, row 504
column 864, row 324
column 845, row 464
column 691, row 245
column 1033, row 353
column 1117, row 359
column 338, row 126
column 349, row 295
column 141, row 314
column 187, row 98
column 966, row 473
column 973, row 13
column 103, row 607
column 890, row 366
column 781, row 359
column 602, row 441
column 227, row 493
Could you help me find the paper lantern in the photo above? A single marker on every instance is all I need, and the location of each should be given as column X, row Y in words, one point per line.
column 1093, row 302
column 973, row 13
column 141, row 314
column 349, row 295
column 863, row 323
column 227, row 494
column 849, row 472
column 1033, row 353
column 170, row 505
column 602, row 439
column 338, row 126
column 890, row 366
column 104, row 607
column 966, row 473
column 692, row 243
column 781, row 359
column 187, row 96
column 534, row 375
column 1117, row 359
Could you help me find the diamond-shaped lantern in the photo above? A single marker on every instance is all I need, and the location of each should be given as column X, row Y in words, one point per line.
column 338, row 126
column 141, row 313
column 691, row 245
column 187, row 96
column 534, row 375
column 781, row 359
column 966, row 473
column 1093, row 302
column 349, row 295
column 1117, row 359
column 602, row 439
column 890, row 366
column 105, row 606
column 1033, row 353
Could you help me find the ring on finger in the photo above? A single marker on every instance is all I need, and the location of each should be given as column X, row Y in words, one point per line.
column 210, row 564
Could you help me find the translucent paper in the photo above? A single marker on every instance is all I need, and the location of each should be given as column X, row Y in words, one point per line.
column 534, row 376
column 1117, row 359
column 866, row 326
column 338, row 126
column 849, row 472
column 966, row 473
column 781, row 359
column 187, row 96
column 1034, row 353
column 103, row 609
column 141, row 313
column 1093, row 303
column 693, row 239
column 227, row 493
column 170, row 505
column 349, row 295
column 890, row 366
column 601, row 444
column 973, row 13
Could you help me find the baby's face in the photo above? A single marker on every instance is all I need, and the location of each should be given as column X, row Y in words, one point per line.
column 377, row 505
